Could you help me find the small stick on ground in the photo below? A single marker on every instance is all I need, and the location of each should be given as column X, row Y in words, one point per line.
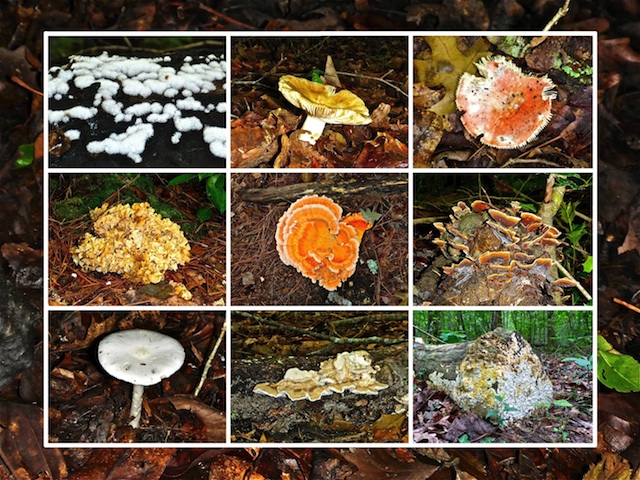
column 570, row 277
column 212, row 355
column 626, row 304
column 378, row 79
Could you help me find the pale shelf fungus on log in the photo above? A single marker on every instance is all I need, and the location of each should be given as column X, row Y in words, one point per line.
column 348, row 372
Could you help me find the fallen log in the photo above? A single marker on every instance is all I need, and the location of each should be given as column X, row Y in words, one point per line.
column 497, row 376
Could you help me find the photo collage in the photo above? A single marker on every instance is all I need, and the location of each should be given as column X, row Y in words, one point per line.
column 351, row 239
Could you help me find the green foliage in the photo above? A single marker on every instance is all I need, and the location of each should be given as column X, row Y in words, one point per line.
column 557, row 403
column 562, row 430
column 496, row 413
column 568, row 215
column 574, row 181
column 615, row 370
column 449, row 336
column 373, row 266
column 26, row 156
column 316, row 75
column 587, row 266
column 370, row 216
column 584, row 362
column 215, row 188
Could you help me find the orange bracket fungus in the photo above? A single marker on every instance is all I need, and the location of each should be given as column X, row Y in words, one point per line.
column 312, row 237
column 499, row 258
column 349, row 371
column 505, row 107
column 134, row 241
column 323, row 105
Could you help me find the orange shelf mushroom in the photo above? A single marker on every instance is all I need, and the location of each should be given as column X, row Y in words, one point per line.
column 312, row 237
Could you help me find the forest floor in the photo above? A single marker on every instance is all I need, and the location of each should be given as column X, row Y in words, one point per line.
column 89, row 406
column 266, row 344
column 74, row 196
column 437, row 418
column 258, row 275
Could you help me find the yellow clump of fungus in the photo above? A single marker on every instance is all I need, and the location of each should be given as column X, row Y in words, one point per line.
column 134, row 241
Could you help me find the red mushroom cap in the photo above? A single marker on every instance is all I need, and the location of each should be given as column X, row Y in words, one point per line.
column 505, row 107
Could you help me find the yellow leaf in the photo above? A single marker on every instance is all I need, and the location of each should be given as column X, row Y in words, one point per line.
column 444, row 64
column 611, row 467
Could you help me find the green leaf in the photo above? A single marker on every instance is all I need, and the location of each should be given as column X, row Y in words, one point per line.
column 26, row 156
column 185, row 177
column 615, row 370
column 370, row 216
column 204, row 214
column 587, row 266
column 217, row 192
column 583, row 362
column 562, row 403
column 316, row 76
column 576, row 234
column 373, row 266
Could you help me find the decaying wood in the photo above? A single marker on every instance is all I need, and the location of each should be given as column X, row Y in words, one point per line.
column 497, row 372
column 377, row 185
column 439, row 358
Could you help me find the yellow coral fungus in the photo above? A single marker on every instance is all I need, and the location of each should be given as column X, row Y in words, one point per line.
column 134, row 241
column 312, row 238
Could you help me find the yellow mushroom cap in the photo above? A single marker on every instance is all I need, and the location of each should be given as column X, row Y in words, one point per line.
column 323, row 102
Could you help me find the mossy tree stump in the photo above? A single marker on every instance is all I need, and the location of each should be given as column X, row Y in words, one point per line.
column 498, row 373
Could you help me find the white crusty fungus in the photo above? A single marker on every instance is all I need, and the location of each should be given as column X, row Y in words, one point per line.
column 349, row 371
column 134, row 241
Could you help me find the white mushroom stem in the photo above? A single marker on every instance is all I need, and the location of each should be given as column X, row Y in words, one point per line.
column 136, row 405
column 313, row 127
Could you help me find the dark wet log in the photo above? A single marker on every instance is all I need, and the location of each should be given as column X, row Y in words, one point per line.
column 18, row 322
column 366, row 185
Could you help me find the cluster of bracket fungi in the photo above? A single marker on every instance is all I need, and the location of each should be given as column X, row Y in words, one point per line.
column 499, row 258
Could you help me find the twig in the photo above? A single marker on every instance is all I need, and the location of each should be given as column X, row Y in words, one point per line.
column 556, row 18
column 256, row 82
column 515, row 161
column 379, row 79
column 212, row 355
column 570, row 277
column 628, row 305
column 226, row 17
column 330, row 338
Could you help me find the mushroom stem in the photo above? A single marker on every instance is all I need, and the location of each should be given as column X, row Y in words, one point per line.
column 314, row 127
column 136, row 405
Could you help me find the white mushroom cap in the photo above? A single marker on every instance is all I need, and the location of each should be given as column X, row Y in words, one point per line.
column 140, row 357
column 322, row 101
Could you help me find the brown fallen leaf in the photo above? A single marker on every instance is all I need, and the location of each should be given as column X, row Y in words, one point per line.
column 389, row 427
column 213, row 420
column 112, row 464
column 21, row 444
column 378, row 464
